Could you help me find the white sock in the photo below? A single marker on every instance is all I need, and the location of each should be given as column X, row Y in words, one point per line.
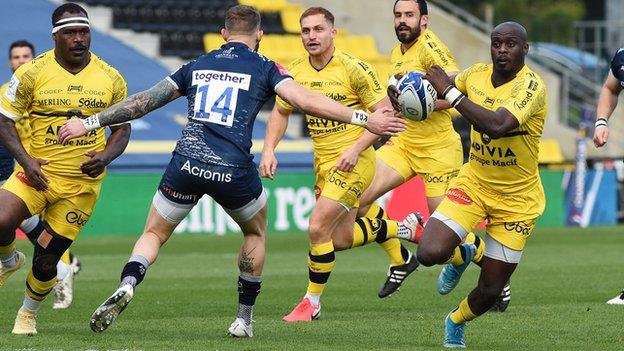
column 8, row 260
column 314, row 298
column 62, row 270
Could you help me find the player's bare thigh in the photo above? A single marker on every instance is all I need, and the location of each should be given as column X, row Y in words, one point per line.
column 13, row 211
column 385, row 179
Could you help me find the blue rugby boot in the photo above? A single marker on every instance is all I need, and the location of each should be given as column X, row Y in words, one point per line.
column 450, row 274
column 453, row 334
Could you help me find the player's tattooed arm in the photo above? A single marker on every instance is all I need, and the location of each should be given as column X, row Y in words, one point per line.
column 246, row 261
column 139, row 104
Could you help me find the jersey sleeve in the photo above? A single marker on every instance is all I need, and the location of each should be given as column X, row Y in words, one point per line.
column 120, row 89
column 437, row 53
column 527, row 97
column 461, row 78
column 18, row 96
column 179, row 79
column 366, row 83
column 277, row 74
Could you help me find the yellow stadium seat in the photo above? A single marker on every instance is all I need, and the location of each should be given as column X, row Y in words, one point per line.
column 265, row 5
column 290, row 18
column 550, row 151
column 212, row 41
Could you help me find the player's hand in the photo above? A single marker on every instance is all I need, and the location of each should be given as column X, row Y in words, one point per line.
column 393, row 92
column 348, row 160
column 96, row 165
column 601, row 134
column 267, row 165
column 35, row 176
column 439, row 79
column 72, row 129
column 384, row 122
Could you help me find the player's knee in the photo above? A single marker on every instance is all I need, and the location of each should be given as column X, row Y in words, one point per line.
column 342, row 242
column 429, row 255
column 318, row 231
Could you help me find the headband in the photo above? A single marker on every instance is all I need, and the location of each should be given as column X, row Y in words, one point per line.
column 70, row 22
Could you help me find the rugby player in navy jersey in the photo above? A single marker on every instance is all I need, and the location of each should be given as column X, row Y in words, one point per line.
column 225, row 89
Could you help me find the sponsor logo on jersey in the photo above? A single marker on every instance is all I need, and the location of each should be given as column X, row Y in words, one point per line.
column 50, row 91
column 206, row 174
column 283, row 71
column 533, row 85
column 519, row 227
column 239, row 80
column 489, row 101
column 522, row 104
column 176, row 194
column 336, row 96
column 92, row 103
column 316, row 85
column 77, row 217
column 21, row 176
column 458, row 196
column 74, row 89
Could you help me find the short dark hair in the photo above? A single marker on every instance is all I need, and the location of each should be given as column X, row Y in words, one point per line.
column 318, row 11
column 422, row 6
column 69, row 7
column 22, row 44
column 242, row 19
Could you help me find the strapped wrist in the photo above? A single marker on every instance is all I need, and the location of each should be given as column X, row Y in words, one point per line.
column 601, row 122
column 453, row 96
column 359, row 118
column 91, row 123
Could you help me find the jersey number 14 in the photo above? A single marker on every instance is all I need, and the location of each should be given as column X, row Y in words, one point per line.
column 215, row 101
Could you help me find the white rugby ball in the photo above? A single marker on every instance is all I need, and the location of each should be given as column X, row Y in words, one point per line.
column 417, row 96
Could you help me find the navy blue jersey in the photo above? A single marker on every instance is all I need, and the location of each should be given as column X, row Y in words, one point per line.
column 225, row 89
column 617, row 65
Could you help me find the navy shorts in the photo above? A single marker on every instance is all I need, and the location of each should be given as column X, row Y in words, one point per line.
column 186, row 180
column 7, row 164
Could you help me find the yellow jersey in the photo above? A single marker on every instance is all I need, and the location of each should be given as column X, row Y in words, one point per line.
column 347, row 80
column 22, row 126
column 48, row 95
column 508, row 164
column 428, row 50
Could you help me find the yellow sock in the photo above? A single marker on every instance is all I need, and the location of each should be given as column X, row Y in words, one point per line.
column 37, row 289
column 393, row 247
column 7, row 249
column 457, row 257
column 471, row 238
column 365, row 231
column 66, row 258
column 321, row 262
column 462, row 313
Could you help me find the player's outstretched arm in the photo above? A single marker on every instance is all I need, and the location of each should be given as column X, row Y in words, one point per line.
column 115, row 146
column 276, row 127
column 493, row 123
column 348, row 160
column 133, row 107
column 382, row 121
column 607, row 101
column 32, row 167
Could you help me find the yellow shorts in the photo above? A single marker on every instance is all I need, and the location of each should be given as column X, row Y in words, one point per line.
column 68, row 204
column 437, row 166
column 510, row 217
column 345, row 187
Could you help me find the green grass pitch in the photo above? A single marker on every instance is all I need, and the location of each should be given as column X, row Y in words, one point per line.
column 189, row 299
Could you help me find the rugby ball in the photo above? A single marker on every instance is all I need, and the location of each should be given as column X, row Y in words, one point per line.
column 417, row 96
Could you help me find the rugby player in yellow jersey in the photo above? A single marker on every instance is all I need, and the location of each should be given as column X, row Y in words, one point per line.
column 21, row 52
column 341, row 175
column 62, row 181
column 505, row 102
